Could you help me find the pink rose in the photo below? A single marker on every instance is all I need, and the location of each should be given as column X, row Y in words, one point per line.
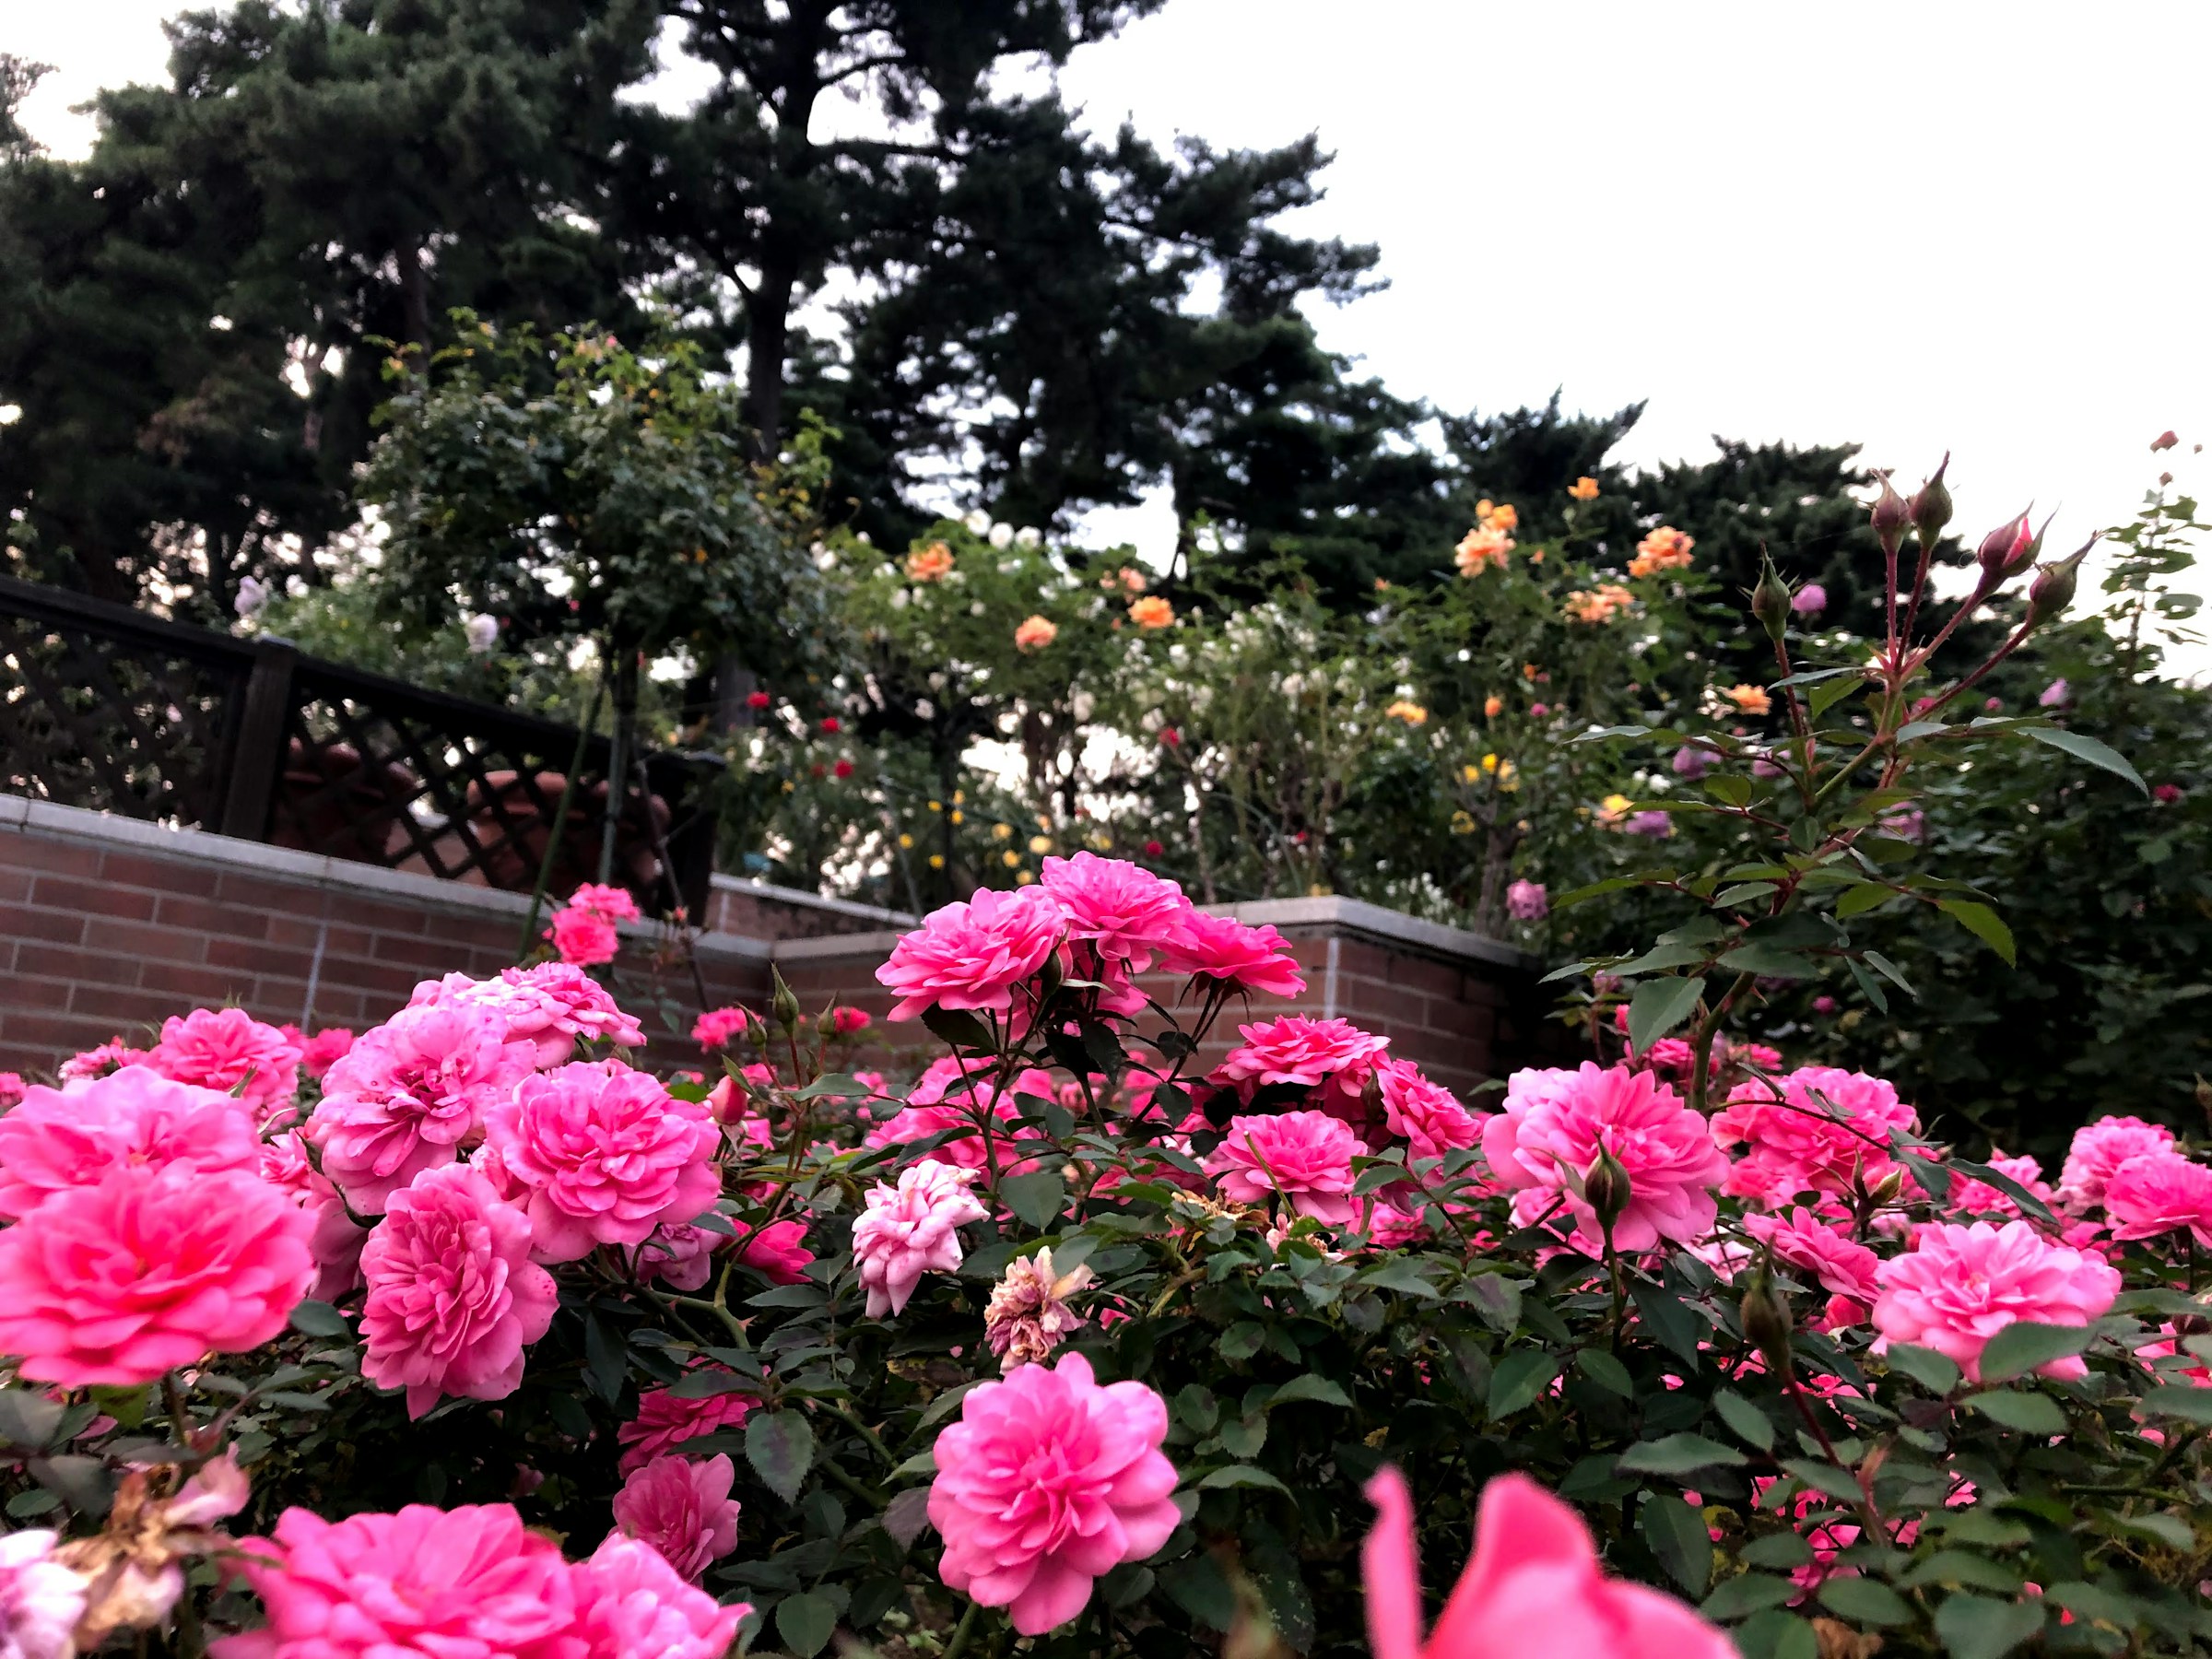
column 682, row 1506
column 151, row 1268
column 1527, row 902
column 665, row 1420
column 71, row 1136
column 40, row 1599
column 1047, row 1482
column 777, row 1251
column 1305, row 1156
column 972, row 955
column 409, row 1093
column 1124, row 913
column 453, row 1295
column 604, row 1154
column 2157, row 1193
column 550, row 1006
column 464, row 1584
column 1555, row 1123
column 631, row 1605
column 221, row 1049
column 1959, row 1286
column 1533, row 1588
column 1802, row 1239
column 716, row 1026
column 1220, row 947
column 325, row 1050
column 1331, row 1054
column 911, row 1229
column 109, row 1056
column 585, row 938
column 2098, row 1149
column 1819, row 1129
column 1428, row 1114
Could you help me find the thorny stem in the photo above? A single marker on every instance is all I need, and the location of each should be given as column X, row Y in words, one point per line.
column 963, row 1631
column 1867, row 1511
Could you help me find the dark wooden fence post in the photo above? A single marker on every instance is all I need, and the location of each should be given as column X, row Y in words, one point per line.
column 257, row 762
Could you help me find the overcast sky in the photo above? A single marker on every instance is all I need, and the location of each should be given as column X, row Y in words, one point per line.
column 1976, row 227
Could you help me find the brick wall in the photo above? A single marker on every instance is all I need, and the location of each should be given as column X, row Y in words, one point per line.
column 108, row 926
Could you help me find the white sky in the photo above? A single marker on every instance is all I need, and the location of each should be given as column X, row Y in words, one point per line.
column 1975, row 226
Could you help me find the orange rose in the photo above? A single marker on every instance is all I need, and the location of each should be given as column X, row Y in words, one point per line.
column 1151, row 612
column 931, row 564
column 1035, row 633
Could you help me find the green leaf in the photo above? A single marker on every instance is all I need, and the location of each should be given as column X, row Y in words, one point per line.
column 320, row 1319
column 956, row 1027
column 1196, row 1409
column 1606, row 1371
column 2170, row 1530
column 1776, row 1549
column 1962, row 1569
column 1748, row 1592
column 1744, row 893
column 1730, row 788
column 1241, row 1475
column 1749, row 1423
column 1830, row 695
column 2020, row 1347
column 1521, row 1376
column 1494, row 1296
column 85, row 1484
column 1984, row 923
column 1868, row 985
column 2024, row 1413
column 1399, row 1273
column 1680, row 1454
column 2005, row 1185
column 1866, row 896
column 1824, row 1478
column 2083, row 747
column 1676, row 1534
column 805, row 1622
column 2171, row 1400
column 1199, row 1588
column 1658, row 1007
column 1864, row 1601
column 27, row 1420
column 1035, row 1198
column 1670, row 1320
column 1891, row 971
column 1242, row 1340
column 780, row 1446
column 1310, row 1387
column 1977, row 1626
column 1768, row 961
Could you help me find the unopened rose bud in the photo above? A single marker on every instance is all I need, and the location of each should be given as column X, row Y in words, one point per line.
column 785, row 1004
column 1767, row 1323
column 1890, row 517
column 2053, row 589
column 1607, row 1188
column 2164, row 440
column 1770, row 601
column 1930, row 507
column 2004, row 551
column 1885, row 1192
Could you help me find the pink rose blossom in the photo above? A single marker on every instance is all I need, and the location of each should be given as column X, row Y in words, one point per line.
column 716, row 1026
column 1809, row 600
column 1818, row 1129
column 409, row 1093
column 777, row 1251
column 550, row 1006
column 679, row 1255
column 945, row 1099
column 2156, row 1192
column 336, row 1242
column 1972, row 1197
column 1256, row 959
column 1390, row 1228
column 424, row 1584
column 665, row 1420
column 585, row 938
column 1428, row 1114
column 109, row 1056
column 453, row 1295
column 151, row 1268
column 1125, row 915
column 682, row 1506
column 221, row 1049
column 40, row 1599
column 911, row 1229
column 1801, row 1240
column 1331, row 1054
column 1532, row 1589
column 1527, row 902
column 325, row 1050
column 1959, row 1286
column 1305, row 1156
column 630, row 1604
column 972, row 955
column 1047, row 1482
column 605, row 1155
column 71, row 1136
column 2098, row 1149
column 1553, row 1125
column 614, row 903
column 12, row 1090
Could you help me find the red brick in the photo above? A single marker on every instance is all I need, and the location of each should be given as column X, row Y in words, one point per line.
column 60, row 1035
column 15, row 886
column 65, row 892
column 57, row 927
column 385, row 918
column 160, row 875
column 63, row 858
column 35, row 958
column 208, row 916
column 1438, row 979
column 31, row 991
column 255, row 956
column 144, row 939
column 191, row 985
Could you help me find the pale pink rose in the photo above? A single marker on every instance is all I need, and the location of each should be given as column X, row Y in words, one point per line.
column 409, row 1094
column 1120, row 918
column 679, row 1255
column 682, row 1506
column 220, row 1049
column 1527, row 902
column 1047, row 1482
column 550, row 1005
column 1029, row 1313
column 911, row 1229
column 1221, row 947
column 40, row 1600
column 453, row 1295
column 109, row 1056
column 972, row 955
column 1972, row 1197
column 1428, row 1114
column 425, row 1583
column 71, row 1136
column 1816, row 1130
column 2157, row 1193
column 2101, row 1148
column 325, row 1050
column 1333, row 1055
column 151, row 1268
column 1305, row 1156
column 1553, row 1125
column 631, row 1605
column 1802, row 1239
column 605, row 1155
column 1959, row 1286
column 584, row 938
column 778, row 1252
column 665, row 1420
column 1532, row 1589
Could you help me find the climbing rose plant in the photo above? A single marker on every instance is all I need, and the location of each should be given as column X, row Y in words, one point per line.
column 1143, row 1318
